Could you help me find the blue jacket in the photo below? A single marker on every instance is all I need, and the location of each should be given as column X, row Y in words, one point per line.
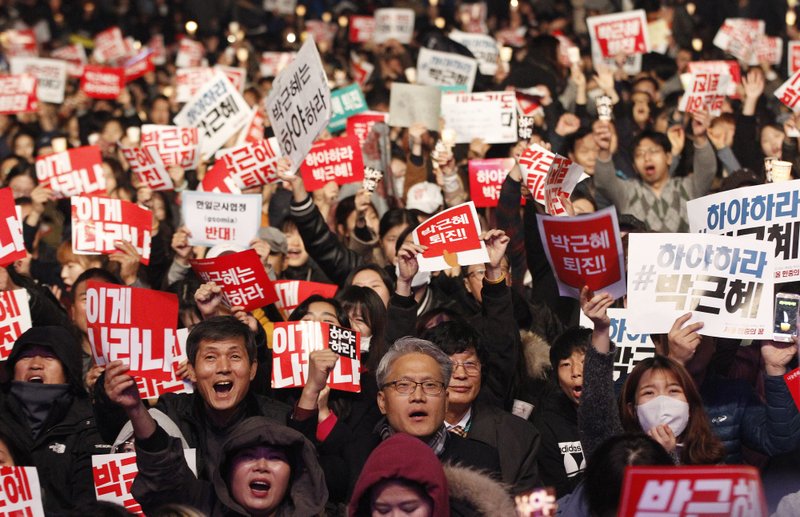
column 738, row 417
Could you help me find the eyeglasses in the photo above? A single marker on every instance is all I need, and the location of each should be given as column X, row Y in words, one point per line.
column 471, row 367
column 641, row 153
column 407, row 387
column 481, row 273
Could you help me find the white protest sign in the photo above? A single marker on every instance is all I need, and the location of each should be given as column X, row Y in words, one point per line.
column 535, row 163
column 561, row 179
column 726, row 282
column 765, row 212
column 412, row 103
column 215, row 218
column 20, row 492
column 51, row 76
column 272, row 63
column 394, row 23
column 281, row 7
column 190, row 53
column 74, row 55
column 737, row 36
column 618, row 34
column 483, row 47
column 631, row 347
column 190, row 79
column 789, row 92
column 217, row 110
column 766, row 49
column 706, row 92
column 793, row 58
column 299, row 105
column 491, row 116
column 437, row 68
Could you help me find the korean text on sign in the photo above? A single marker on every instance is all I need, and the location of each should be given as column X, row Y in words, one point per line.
column 20, row 492
column 214, row 218
column 242, row 276
column 15, row 318
column 631, row 347
column 98, row 222
column 789, row 92
column 486, row 179
column 706, row 93
column 335, row 159
column 766, row 212
column 122, row 325
column 293, row 341
column 299, row 104
column 491, row 116
column 175, row 145
column 18, row 94
column 559, row 184
column 72, row 172
column 453, row 239
column 693, row 490
column 584, row 251
column 250, row 165
column 535, row 162
column 150, row 170
column 725, row 281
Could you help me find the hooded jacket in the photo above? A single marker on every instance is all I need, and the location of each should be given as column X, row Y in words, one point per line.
column 62, row 451
column 164, row 477
column 402, row 456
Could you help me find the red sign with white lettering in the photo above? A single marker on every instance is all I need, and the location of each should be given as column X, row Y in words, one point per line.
column 294, row 292
column 18, row 94
column 122, row 325
column 293, row 341
column 535, row 163
column 102, row 82
column 360, row 125
column 72, row 172
column 242, row 277
column 12, row 245
column 486, row 179
column 335, row 159
column 146, row 163
column 246, row 166
column 361, row 29
column 792, row 380
column 98, row 222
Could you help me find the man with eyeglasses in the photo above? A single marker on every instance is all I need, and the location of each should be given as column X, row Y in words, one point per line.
column 471, row 413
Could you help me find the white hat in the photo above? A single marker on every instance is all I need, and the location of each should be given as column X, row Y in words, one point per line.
column 425, row 197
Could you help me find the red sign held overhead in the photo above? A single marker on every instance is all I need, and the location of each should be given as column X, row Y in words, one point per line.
column 486, row 179
column 335, row 159
column 242, row 277
column 102, row 82
column 72, row 172
column 293, row 342
column 360, row 125
column 18, row 94
column 452, row 238
column 294, row 292
column 12, row 245
column 98, row 222
column 249, row 165
column 122, row 325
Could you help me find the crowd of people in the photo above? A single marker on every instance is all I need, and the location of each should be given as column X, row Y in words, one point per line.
column 477, row 384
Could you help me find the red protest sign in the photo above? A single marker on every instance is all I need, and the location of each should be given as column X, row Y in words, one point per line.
column 12, row 245
column 176, row 145
column 242, row 277
column 335, row 159
column 74, row 55
column 792, row 380
column 619, row 33
column 253, row 131
column 559, row 184
column 18, row 94
column 146, row 163
column 72, row 172
column 98, row 222
column 246, row 166
column 294, row 292
column 139, row 65
column 360, row 125
column 584, row 250
column 452, row 238
column 113, row 478
column 20, row 493
column 695, row 490
column 189, row 80
column 20, row 43
column 486, row 179
column 102, row 82
column 361, row 29
column 793, row 59
column 15, row 318
column 153, row 388
column 535, row 163
column 293, row 341
column 123, row 325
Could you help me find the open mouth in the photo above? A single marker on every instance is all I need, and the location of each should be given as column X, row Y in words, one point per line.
column 223, row 386
column 650, row 170
column 260, row 488
column 37, row 379
column 576, row 391
column 418, row 416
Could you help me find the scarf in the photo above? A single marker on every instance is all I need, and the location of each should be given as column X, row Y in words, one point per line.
column 37, row 400
column 436, row 442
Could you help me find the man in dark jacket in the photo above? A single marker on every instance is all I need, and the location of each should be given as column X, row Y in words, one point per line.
column 222, row 356
column 46, row 409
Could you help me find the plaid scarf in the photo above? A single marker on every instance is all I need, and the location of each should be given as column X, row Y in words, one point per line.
column 437, row 441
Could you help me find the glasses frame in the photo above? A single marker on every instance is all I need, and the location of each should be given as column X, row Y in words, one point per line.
column 438, row 385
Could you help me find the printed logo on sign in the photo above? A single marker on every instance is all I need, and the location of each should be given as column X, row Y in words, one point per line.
column 574, row 460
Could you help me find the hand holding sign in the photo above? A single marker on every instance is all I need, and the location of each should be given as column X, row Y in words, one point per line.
column 684, row 340
column 128, row 260
column 777, row 355
column 120, row 386
column 496, row 244
column 208, row 298
column 407, row 266
column 595, row 307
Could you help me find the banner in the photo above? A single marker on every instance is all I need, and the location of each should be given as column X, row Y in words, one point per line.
column 253, row 130
column 436, row 68
column 50, row 74
column 630, row 348
column 175, row 145
column 74, row 55
column 12, row 244
column 247, row 166
column 585, row 251
column 765, row 212
column 293, row 342
column 345, row 102
column 793, row 59
column 110, row 47
column 726, row 282
column 730, row 69
column 706, row 92
column 15, row 318
column 299, row 104
column 102, row 82
column 789, row 92
column 292, row 293
column 619, row 34
column 20, row 492
column 335, row 159
column 122, row 325
column 190, row 53
column 241, row 276
column 362, row 29
column 360, row 125
column 719, row 490
column 146, row 164
column 535, row 163
column 72, row 172
column 453, row 239
column 486, row 178
column 737, row 36
column 113, row 476
column 394, row 23
column 98, row 222
column 214, row 218
column 412, row 103
column 272, row 63
column 217, row 110
column 491, row 116
column 483, row 47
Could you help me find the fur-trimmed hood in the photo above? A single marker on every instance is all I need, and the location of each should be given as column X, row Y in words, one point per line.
column 536, row 351
column 475, row 493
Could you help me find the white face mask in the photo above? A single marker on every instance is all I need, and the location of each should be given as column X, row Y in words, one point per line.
column 420, row 278
column 664, row 410
column 364, row 345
